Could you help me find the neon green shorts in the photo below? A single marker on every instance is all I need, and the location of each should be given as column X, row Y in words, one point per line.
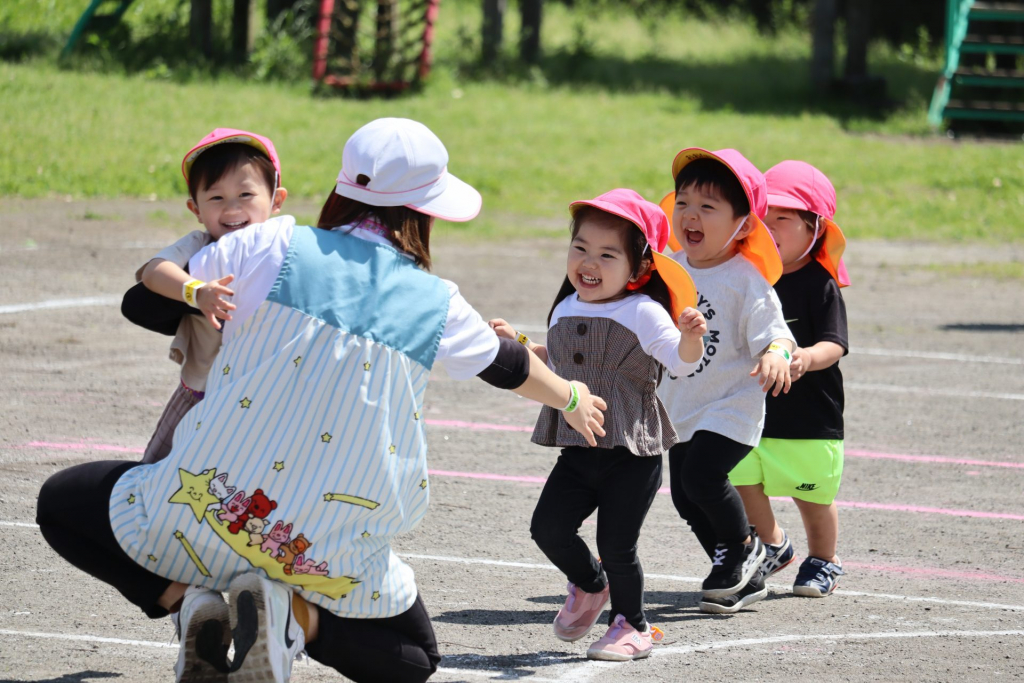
column 808, row 469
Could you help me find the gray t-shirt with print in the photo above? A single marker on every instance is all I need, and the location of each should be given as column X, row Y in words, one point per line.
column 744, row 315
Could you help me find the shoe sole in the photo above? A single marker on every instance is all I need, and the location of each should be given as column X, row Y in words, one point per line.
column 604, row 656
column 573, row 639
column 715, row 608
column 206, row 645
column 811, row 592
column 249, row 626
column 744, row 579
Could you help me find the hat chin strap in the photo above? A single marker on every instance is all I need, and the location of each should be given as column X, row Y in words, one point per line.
column 733, row 235
column 817, row 228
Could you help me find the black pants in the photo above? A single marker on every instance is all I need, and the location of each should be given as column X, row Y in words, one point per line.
column 74, row 516
column 701, row 491
column 621, row 487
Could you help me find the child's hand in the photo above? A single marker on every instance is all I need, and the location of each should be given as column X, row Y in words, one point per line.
column 692, row 323
column 502, row 328
column 801, row 361
column 588, row 418
column 211, row 301
column 773, row 370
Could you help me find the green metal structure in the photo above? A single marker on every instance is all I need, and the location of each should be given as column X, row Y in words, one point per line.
column 980, row 32
column 92, row 21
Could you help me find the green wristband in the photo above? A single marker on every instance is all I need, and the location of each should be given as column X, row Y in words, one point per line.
column 574, row 399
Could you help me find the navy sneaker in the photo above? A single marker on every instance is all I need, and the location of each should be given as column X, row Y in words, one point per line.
column 754, row 590
column 778, row 557
column 817, row 577
column 732, row 567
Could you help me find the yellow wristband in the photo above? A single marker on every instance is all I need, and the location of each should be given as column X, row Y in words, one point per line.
column 780, row 350
column 522, row 339
column 190, row 292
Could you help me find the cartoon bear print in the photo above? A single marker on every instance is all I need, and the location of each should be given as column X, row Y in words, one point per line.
column 233, row 507
column 260, row 507
column 277, row 537
column 255, row 527
column 296, row 546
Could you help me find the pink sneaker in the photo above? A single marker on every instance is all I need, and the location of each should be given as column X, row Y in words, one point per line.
column 623, row 643
column 579, row 613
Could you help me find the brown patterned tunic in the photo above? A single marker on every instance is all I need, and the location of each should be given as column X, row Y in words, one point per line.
column 607, row 357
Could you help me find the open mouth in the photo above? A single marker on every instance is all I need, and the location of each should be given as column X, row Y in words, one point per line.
column 693, row 237
column 589, row 280
column 236, row 225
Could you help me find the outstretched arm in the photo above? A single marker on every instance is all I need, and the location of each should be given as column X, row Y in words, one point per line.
column 506, row 331
column 169, row 279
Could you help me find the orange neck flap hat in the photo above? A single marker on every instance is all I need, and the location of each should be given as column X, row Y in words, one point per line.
column 758, row 246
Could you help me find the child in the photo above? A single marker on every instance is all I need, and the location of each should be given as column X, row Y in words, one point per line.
column 317, row 417
column 612, row 325
column 233, row 181
column 718, row 410
column 801, row 449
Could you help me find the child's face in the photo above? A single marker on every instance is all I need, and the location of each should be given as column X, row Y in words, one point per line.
column 598, row 266
column 238, row 199
column 792, row 235
column 703, row 223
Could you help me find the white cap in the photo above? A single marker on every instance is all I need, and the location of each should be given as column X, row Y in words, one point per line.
column 407, row 166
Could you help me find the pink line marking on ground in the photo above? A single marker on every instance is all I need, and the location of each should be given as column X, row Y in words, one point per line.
column 478, row 426
column 857, row 453
column 891, row 507
column 924, row 571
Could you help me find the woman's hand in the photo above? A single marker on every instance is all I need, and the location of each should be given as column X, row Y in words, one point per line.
column 210, row 298
column 588, row 418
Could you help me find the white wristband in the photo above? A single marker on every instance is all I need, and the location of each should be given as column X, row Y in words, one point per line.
column 780, row 350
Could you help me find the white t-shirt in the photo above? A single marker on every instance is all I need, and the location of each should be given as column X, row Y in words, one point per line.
column 468, row 345
column 744, row 316
column 639, row 313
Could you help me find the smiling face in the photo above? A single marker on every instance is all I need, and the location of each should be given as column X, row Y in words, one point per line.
column 792, row 236
column 239, row 198
column 598, row 264
column 705, row 224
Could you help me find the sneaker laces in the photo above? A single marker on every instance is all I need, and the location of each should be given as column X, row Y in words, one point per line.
column 719, row 559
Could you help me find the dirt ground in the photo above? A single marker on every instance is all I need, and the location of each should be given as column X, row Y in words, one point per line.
column 931, row 507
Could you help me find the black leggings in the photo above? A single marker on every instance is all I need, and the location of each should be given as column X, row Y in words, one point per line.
column 74, row 516
column 701, row 491
column 621, row 487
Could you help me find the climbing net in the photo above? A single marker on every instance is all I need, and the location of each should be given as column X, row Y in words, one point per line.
column 381, row 45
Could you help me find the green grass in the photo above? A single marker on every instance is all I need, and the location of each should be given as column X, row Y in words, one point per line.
column 1002, row 271
column 609, row 106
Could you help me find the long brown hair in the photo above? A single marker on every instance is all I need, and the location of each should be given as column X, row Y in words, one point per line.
column 636, row 248
column 408, row 229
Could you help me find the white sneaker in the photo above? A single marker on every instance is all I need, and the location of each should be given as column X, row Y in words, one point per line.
column 267, row 637
column 204, row 635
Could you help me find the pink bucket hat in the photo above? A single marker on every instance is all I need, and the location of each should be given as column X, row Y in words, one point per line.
column 758, row 246
column 798, row 185
column 406, row 165
column 221, row 136
column 654, row 225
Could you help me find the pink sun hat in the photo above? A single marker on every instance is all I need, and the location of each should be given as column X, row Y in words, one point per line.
column 758, row 246
column 402, row 163
column 798, row 185
column 651, row 221
column 220, row 136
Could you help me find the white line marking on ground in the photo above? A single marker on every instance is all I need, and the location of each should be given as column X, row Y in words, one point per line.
column 692, row 579
column 673, row 577
column 62, row 303
column 923, row 391
column 582, row 674
column 864, row 351
column 87, row 638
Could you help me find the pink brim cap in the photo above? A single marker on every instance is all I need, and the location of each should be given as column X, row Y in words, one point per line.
column 220, row 136
column 783, row 201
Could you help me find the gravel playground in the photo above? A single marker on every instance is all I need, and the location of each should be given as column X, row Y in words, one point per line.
column 931, row 507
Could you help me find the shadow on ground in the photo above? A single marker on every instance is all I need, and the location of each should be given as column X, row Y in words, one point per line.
column 81, row 677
